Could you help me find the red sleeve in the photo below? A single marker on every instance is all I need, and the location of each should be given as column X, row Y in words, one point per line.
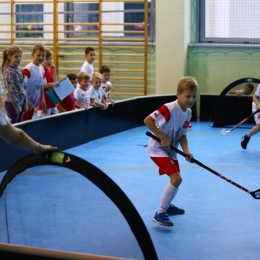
column 165, row 112
column 48, row 75
column 26, row 73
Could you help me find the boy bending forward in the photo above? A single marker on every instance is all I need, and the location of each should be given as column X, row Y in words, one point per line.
column 170, row 123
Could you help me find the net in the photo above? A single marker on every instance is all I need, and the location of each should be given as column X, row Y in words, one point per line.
column 229, row 108
column 56, row 208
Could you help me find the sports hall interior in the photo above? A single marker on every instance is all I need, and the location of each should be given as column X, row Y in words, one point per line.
column 147, row 57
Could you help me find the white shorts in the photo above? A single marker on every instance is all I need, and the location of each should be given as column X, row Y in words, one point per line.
column 48, row 112
column 257, row 118
column 40, row 113
column 54, row 110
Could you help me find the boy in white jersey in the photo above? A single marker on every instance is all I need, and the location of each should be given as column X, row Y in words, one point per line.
column 170, row 123
column 247, row 90
column 88, row 66
column 255, row 129
column 106, row 84
column 81, row 93
column 34, row 79
column 96, row 93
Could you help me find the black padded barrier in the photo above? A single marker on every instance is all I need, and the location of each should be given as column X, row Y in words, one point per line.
column 77, row 127
column 97, row 177
column 231, row 109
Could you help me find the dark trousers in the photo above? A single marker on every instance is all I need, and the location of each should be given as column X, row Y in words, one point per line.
column 15, row 118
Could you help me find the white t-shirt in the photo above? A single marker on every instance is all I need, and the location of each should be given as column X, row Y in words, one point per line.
column 82, row 97
column 4, row 119
column 34, row 78
column 173, row 122
column 240, row 91
column 107, row 94
column 257, row 92
column 88, row 68
column 97, row 94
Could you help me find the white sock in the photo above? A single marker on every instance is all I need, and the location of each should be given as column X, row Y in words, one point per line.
column 168, row 195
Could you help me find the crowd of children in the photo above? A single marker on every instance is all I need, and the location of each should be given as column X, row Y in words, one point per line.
column 26, row 89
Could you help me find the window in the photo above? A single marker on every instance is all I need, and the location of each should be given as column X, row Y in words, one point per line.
column 29, row 14
column 80, row 13
column 229, row 21
column 134, row 13
column 116, row 12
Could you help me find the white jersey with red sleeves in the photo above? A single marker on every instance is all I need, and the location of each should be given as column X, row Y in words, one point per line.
column 173, row 122
column 34, row 79
column 257, row 93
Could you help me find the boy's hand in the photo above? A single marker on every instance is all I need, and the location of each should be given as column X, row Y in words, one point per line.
column 104, row 106
column 165, row 142
column 44, row 107
column 108, row 87
column 52, row 67
column 189, row 156
column 29, row 106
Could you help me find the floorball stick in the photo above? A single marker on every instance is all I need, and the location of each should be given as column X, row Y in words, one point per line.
column 224, row 132
column 254, row 194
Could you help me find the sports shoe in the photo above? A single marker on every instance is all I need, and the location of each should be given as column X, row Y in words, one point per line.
column 244, row 141
column 162, row 219
column 174, row 210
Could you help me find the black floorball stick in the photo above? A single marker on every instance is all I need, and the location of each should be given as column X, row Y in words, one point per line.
column 224, row 132
column 254, row 194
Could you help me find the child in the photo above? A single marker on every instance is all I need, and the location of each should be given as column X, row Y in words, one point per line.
column 247, row 90
column 170, row 123
column 88, row 64
column 34, row 79
column 81, row 93
column 68, row 103
column 96, row 93
column 16, row 100
column 46, row 107
column 255, row 129
column 106, row 84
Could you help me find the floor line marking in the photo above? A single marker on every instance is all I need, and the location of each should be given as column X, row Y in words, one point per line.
column 137, row 169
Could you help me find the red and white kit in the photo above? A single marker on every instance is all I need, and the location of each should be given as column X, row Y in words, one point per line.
column 173, row 122
column 34, row 79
